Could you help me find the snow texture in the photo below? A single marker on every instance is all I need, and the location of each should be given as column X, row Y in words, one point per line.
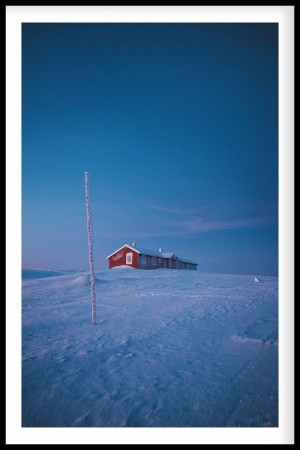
column 171, row 348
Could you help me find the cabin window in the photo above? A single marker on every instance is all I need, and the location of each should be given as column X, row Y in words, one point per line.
column 128, row 258
column 154, row 261
column 143, row 259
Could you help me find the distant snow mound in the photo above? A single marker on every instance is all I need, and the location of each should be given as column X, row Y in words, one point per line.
column 122, row 267
column 256, row 280
column 84, row 280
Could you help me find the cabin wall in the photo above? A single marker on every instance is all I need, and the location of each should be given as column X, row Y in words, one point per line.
column 172, row 263
column 148, row 265
column 119, row 258
column 185, row 266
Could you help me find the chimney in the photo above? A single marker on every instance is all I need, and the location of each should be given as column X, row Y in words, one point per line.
column 133, row 244
column 160, row 249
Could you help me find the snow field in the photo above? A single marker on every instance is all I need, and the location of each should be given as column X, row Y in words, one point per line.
column 171, row 348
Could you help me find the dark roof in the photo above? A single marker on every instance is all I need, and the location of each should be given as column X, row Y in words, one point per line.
column 145, row 251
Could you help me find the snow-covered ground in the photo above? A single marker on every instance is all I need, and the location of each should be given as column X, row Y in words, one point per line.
column 171, row 348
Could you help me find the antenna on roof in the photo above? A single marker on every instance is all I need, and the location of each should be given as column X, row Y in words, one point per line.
column 90, row 244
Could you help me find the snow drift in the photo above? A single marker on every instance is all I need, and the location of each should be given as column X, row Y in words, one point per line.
column 170, row 349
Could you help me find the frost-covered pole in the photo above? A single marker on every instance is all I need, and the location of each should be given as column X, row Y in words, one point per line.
column 90, row 244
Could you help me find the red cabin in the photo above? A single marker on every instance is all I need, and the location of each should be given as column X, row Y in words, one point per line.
column 141, row 258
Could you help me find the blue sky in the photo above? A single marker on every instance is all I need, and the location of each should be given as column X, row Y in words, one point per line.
column 177, row 125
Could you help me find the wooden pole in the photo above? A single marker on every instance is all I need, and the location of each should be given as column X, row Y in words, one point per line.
column 90, row 245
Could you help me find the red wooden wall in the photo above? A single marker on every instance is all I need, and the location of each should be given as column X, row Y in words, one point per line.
column 119, row 258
